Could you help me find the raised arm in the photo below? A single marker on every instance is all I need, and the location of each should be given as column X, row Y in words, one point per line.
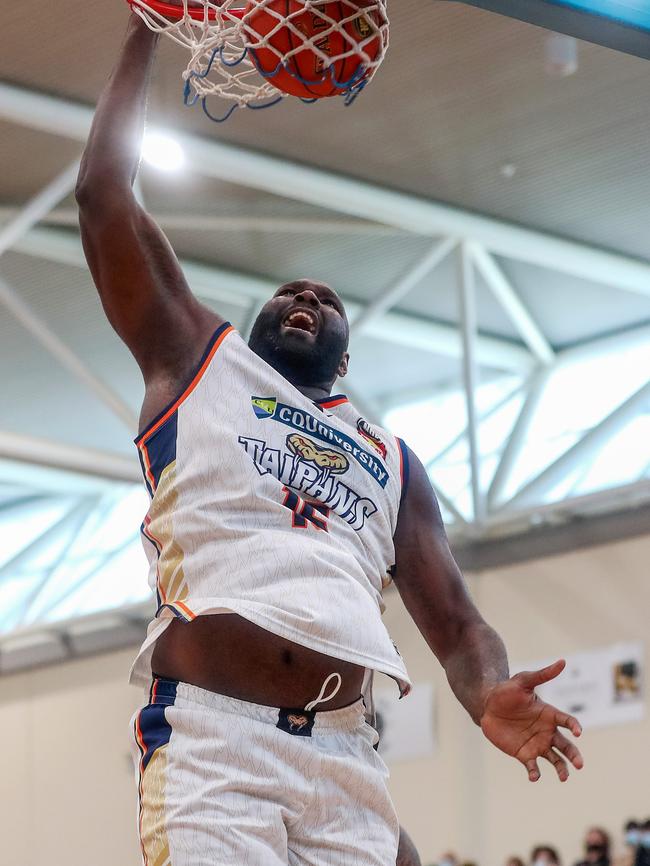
column 141, row 284
column 473, row 655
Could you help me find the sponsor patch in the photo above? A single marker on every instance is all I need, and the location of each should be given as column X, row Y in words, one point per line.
column 299, row 723
column 264, row 407
column 372, row 436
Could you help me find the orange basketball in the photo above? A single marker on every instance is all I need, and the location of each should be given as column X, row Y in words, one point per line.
column 304, row 73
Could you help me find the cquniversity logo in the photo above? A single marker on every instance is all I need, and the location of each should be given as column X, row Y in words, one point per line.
column 264, row 407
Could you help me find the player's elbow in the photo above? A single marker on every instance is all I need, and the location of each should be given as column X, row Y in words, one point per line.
column 99, row 200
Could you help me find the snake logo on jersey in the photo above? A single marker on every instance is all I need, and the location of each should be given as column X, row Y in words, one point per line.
column 270, row 408
column 311, row 469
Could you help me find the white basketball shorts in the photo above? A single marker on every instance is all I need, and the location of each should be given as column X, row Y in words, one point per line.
column 224, row 782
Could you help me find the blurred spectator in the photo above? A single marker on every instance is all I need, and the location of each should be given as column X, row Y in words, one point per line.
column 642, row 853
column 631, row 839
column 514, row 861
column 448, row 859
column 544, row 855
column 597, row 848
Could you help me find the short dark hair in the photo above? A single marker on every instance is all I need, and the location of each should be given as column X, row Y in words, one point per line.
column 545, row 849
column 603, row 833
column 632, row 824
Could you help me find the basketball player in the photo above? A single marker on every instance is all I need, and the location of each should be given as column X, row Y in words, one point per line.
column 278, row 514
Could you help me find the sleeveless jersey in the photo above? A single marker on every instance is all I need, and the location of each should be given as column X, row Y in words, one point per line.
column 273, row 507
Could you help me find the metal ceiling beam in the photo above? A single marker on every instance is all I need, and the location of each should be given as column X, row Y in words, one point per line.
column 102, row 561
column 210, row 223
column 507, row 296
column 630, row 495
column 342, row 194
column 461, row 524
column 394, row 293
column 518, row 435
column 633, row 338
column 62, row 353
column 462, row 436
column 232, row 287
column 38, row 207
column 467, row 303
column 583, row 451
column 61, row 531
column 78, row 636
column 78, row 519
column 69, row 458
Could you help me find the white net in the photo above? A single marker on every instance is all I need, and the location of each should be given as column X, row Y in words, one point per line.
column 253, row 55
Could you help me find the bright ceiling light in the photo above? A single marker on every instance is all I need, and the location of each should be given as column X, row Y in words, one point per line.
column 162, row 151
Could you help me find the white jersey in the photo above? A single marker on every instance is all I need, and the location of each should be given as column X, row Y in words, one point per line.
column 273, row 507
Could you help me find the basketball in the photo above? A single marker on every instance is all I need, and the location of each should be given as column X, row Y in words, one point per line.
column 290, row 24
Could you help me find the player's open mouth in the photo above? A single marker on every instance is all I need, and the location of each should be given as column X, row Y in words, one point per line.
column 301, row 320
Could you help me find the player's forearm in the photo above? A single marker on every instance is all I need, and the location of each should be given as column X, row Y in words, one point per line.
column 112, row 153
column 475, row 665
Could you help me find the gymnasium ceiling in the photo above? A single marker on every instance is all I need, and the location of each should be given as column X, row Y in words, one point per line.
column 462, row 116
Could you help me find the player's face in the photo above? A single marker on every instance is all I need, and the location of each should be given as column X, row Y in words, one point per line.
column 303, row 333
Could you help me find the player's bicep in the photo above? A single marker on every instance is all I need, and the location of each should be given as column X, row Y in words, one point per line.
column 426, row 574
column 141, row 285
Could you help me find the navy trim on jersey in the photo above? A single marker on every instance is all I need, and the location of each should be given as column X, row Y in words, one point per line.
column 213, row 339
column 161, row 447
column 332, row 398
column 405, row 467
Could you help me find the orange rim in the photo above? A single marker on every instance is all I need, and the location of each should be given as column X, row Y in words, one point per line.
column 176, row 11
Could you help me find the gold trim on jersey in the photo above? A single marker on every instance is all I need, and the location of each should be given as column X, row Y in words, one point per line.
column 171, row 576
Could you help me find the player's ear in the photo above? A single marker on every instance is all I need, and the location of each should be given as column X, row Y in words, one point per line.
column 343, row 366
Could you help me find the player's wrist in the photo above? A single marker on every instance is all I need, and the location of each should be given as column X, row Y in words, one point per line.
column 485, row 698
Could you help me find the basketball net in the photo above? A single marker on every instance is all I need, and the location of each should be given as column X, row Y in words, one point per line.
column 220, row 37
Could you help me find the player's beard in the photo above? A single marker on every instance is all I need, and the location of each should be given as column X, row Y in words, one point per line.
column 302, row 361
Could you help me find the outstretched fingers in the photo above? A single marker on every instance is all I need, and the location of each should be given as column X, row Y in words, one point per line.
column 561, row 767
column 567, row 748
column 533, row 770
column 564, row 720
column 532, row 679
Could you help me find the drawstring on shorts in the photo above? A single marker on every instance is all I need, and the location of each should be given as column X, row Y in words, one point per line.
column 300, row 722
column 320, row 699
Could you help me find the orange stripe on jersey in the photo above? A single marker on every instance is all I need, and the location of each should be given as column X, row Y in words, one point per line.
column 330, row 404
column 186, row 393
column 147, row 466
column 138, row 736
column 184, row 608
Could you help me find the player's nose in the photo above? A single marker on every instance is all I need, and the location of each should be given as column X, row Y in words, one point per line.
column 307, row 296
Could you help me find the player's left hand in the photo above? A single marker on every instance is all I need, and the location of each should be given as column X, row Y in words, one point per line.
column 516, row 721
